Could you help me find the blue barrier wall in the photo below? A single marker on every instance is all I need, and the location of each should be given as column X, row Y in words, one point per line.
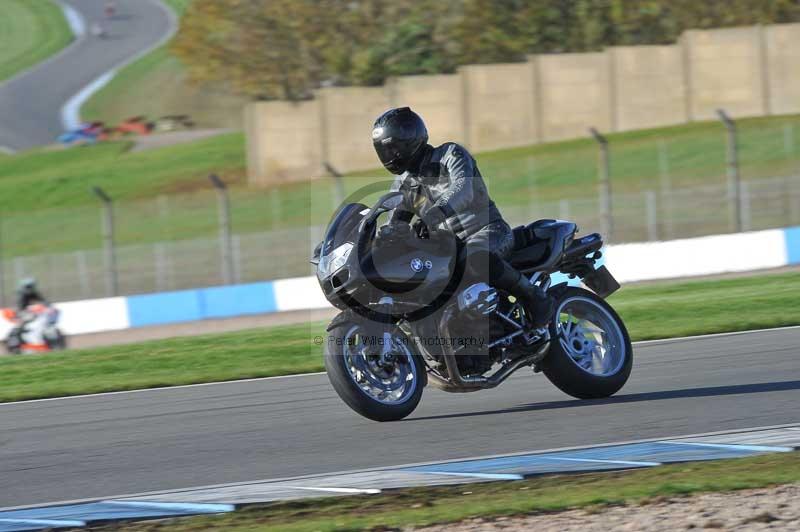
column 792, row 238
column 200, row 304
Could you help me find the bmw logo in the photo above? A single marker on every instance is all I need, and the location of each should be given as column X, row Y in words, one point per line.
column 417, row 264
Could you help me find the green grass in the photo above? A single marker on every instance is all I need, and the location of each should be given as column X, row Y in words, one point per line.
column 417, row 507
column 32, row 184
column 30, row 31
column 655, row 311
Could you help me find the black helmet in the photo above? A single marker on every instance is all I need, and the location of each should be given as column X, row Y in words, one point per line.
column 27, row 286
column 399, row 135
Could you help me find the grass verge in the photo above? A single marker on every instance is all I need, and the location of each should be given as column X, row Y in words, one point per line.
column 30, row 32
column 400, row 509
column 656, row 311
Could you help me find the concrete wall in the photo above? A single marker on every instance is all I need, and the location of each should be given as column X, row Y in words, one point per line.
column 783, row 52
column 438, row 98
column 283, row 141
column 345, row 132
column 749, row 71
column 649, row 86
column 725, row 70
column 500, row 108
column 575, row 94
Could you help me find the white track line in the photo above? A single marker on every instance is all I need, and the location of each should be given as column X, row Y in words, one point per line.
column 70, row 112
column 181, row 506
column 74, row 20
column 45, row 523
column 297, row 375
column 354, row 491
column 487, row 476
column 600, row 461
column 732, row 446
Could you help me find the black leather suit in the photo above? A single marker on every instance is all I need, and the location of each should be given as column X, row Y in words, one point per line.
column 447, row 189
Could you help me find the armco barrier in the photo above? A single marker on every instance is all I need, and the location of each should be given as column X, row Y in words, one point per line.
column 629, row 262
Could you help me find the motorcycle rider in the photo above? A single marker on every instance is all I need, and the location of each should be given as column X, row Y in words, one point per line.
column 28, row 294
column 443, row 186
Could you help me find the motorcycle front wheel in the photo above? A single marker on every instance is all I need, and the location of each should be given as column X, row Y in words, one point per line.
column 590, row 356
column 381, row 385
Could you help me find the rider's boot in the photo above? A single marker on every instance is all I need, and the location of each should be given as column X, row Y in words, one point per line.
column 540, row 305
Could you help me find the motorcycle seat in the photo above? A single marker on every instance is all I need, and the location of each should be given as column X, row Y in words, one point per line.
column 541, row 244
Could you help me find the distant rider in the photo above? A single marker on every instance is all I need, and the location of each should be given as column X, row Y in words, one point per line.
column 28, row 294
column 444, row 187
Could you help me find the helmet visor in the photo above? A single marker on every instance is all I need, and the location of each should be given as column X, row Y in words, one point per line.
column 390, row 157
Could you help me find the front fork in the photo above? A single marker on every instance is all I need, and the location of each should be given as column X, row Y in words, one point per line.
column 385, row 327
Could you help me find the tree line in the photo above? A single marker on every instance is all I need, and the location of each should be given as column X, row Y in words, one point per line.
column 285, row 49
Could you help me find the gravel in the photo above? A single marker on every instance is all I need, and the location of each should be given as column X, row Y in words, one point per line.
column 773, row 509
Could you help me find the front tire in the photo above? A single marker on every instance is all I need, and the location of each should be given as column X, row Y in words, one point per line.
column 590, row 356
column 377, row 392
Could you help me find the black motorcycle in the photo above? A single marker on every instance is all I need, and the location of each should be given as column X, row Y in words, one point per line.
column 411, row 315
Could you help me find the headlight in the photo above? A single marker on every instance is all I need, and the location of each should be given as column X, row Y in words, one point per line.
column 334, row 260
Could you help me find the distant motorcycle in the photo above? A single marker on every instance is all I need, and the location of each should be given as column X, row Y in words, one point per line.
column 393, row 336
column 35, row 330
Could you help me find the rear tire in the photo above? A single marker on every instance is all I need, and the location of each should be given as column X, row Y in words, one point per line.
column 343, row 381
column 564, row 368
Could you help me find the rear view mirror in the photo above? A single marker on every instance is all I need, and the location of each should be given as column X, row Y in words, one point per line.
column 392, row 201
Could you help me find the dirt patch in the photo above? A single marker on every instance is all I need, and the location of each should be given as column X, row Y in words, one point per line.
column 774, row 509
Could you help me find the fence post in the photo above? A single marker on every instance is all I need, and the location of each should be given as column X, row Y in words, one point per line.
column 747, row 219
column 734, row 179
column 225, row 241
column 666, row 186
column 83, row 273
column 651, row 207
column 109, row 246
column 338, row 197
column 604, row 169
column 237, row 258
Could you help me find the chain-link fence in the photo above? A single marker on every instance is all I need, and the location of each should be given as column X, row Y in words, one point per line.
column 178, row 263
column 662, row 187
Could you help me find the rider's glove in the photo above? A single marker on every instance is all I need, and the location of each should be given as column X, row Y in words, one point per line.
column 394, row 231
column 434, row 217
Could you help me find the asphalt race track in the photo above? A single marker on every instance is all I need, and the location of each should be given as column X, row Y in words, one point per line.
column 30, row 104
column 67, row 449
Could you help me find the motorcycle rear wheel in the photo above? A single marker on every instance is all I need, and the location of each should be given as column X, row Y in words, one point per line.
column 590, row 356
column 387, row 392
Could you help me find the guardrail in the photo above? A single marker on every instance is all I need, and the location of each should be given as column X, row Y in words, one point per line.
column 690, row 257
